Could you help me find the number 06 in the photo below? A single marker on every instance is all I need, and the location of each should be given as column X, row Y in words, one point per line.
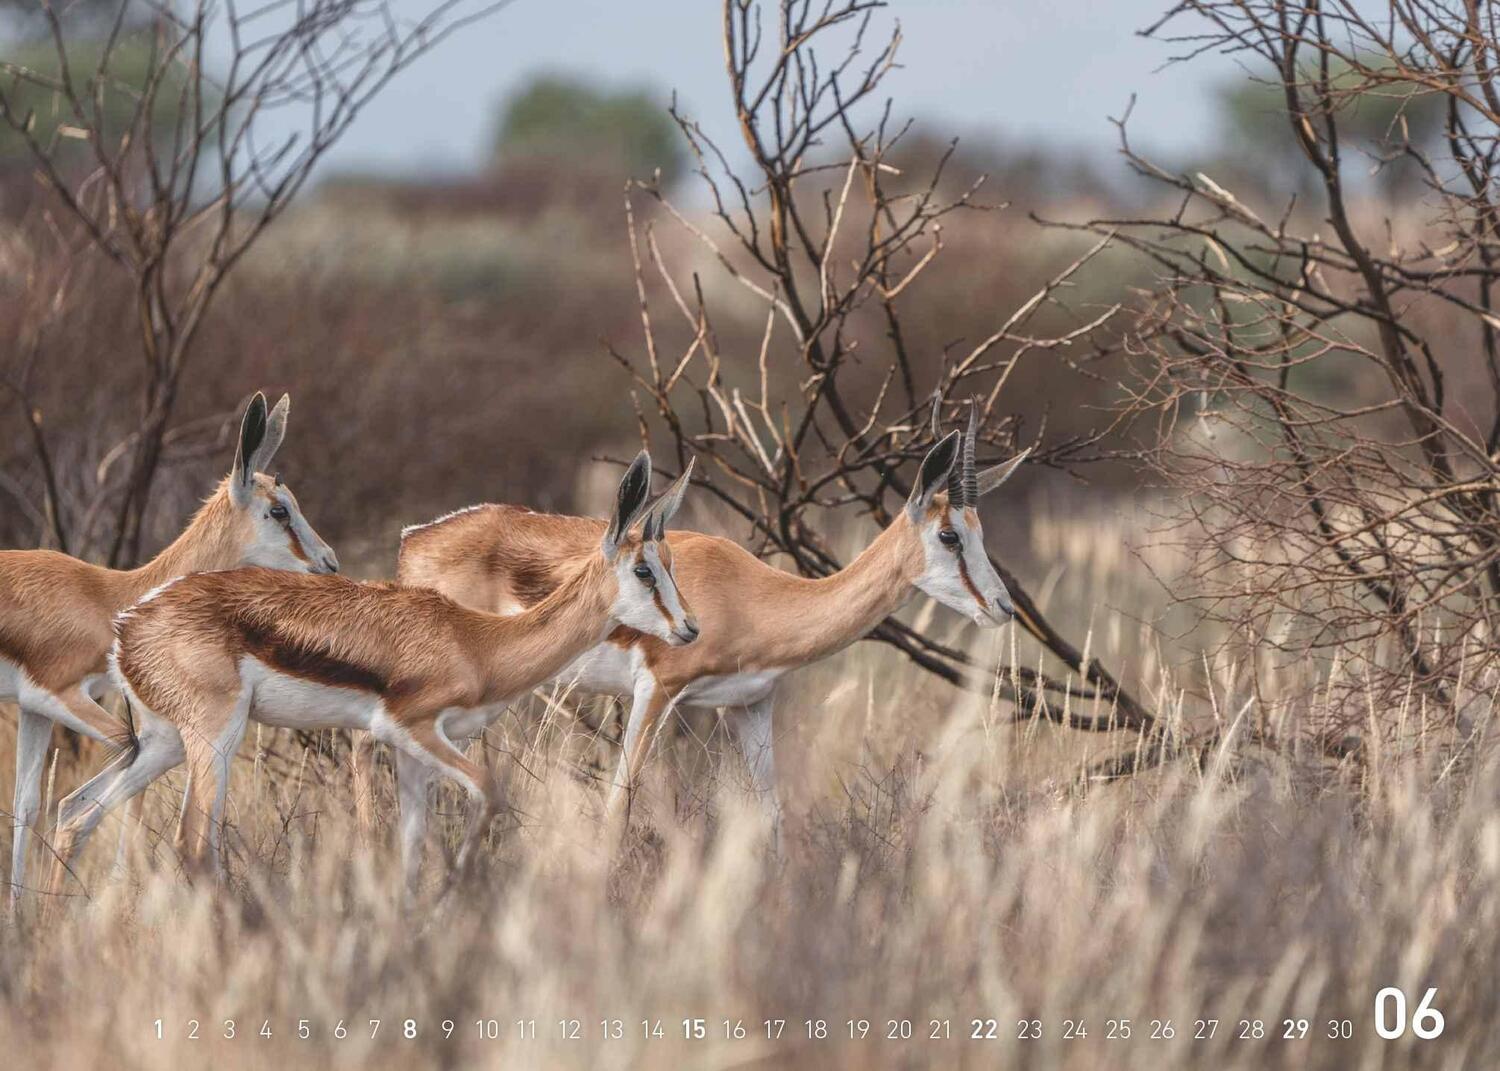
column 1426, row 1021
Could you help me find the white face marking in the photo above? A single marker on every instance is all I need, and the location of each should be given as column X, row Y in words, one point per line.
column 648, row 600
column 281, row 536
column 946, row 564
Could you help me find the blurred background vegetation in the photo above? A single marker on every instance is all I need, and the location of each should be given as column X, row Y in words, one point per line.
column 451, row 332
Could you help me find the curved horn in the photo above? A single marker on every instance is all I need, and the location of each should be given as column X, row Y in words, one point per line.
column 970, row 478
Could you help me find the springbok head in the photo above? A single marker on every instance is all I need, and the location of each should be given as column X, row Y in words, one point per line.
column 944, row 510
column 648, row 599
column 272, row 530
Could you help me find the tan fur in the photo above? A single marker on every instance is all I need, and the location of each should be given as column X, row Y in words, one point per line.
column 56, row 611
column 185, row 654
column 757, row 622
column 418, row 650
column 752, row 615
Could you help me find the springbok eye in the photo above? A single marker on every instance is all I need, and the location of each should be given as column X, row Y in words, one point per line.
column 279, row 512
column 645, row 575
column 948, row 537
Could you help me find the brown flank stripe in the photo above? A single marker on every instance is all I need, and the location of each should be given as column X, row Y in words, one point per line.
column 309, row 663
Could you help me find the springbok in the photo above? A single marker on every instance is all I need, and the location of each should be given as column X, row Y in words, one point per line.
column 56, row 611
column 200, row 658
column 759, row 622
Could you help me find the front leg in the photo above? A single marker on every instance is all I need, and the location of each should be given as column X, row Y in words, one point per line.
column 757, row 747
column 33, row 732
column 71, row 707
column 647, row 703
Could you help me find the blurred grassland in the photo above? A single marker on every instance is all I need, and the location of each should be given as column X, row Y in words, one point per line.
column 939, row 864
column 940, row 861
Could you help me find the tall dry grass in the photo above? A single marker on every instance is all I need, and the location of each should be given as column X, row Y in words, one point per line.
column 940, row 864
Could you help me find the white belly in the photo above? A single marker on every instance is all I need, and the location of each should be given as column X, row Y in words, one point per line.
column 290, row 702
column 612, row 670
column 732, row 689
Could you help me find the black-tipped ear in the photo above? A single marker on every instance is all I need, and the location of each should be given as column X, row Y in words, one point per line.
column 934, row 475
column 252, row 434
column 630, row 499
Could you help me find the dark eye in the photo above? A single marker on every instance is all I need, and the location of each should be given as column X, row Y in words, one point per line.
column 279, row 512
column 646, row 576
column 948, row 537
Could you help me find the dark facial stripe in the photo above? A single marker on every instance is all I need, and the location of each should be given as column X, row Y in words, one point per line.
column 963, row 566
column 963, row 574
column 297, row 551
column 309, row 663
column 661, row 606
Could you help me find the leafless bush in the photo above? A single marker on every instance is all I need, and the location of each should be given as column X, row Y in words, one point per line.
column 831, row 242
column 1322, row 380
column 174, row 210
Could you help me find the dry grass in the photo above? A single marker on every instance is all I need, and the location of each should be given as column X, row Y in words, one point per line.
column 940, row 864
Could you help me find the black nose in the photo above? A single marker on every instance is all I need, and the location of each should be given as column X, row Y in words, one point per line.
column 690, row 628
column 331, row 564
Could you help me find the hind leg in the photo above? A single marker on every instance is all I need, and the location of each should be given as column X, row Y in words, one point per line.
column 123, row 779
column 72, row 707
column 209, row 759
column 33, row 731
column 413, row 777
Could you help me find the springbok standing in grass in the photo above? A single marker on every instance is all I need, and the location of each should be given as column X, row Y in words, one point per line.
column 759, row 623
column 206, row 654
column 56, row 611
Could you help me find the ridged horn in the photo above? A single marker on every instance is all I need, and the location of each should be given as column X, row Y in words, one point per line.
column 970, row 476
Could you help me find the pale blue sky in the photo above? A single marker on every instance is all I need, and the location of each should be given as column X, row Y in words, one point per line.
column 1010, row 69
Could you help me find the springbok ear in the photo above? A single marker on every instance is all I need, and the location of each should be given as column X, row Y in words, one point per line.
column 252, row 434
column 990, row 479
column 275, row 432
column 933, row 478
column 635, row 488
column 667, row 505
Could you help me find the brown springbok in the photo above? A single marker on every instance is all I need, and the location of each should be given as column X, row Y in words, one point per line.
column 200, row 658
column 56, row 611
column 758, row 622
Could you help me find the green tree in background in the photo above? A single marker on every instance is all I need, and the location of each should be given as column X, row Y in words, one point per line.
column 131, row 64
column 27, row 19
column 1379, row 124
column 563, row 121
